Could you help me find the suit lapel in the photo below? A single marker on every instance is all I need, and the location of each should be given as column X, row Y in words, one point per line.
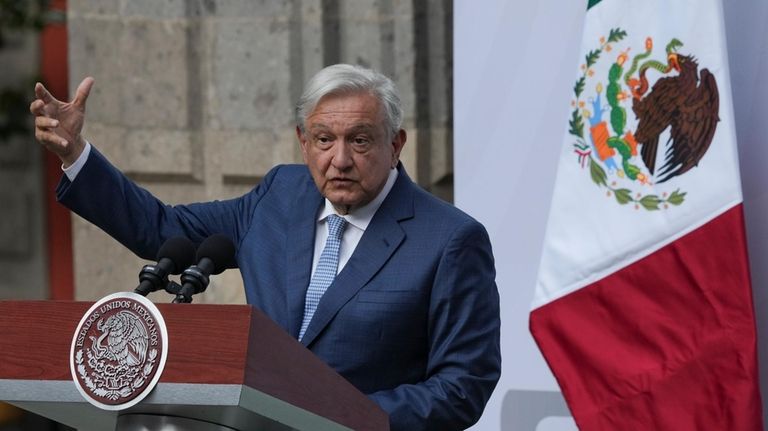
column 300, row 247
column 380, row 240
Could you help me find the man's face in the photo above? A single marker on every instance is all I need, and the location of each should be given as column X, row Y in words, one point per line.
column 348, row 149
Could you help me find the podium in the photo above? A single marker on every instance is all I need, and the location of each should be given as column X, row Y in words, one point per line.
column 228, row 367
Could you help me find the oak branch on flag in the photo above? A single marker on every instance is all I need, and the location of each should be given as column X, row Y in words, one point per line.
column 643, row 306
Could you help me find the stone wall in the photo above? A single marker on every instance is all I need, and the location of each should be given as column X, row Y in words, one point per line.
column 194, row 99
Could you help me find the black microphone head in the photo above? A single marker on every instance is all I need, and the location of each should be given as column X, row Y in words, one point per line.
column 219, row 250
column 180, row 250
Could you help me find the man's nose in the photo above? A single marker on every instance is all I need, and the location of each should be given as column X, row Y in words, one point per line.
column 342, row 155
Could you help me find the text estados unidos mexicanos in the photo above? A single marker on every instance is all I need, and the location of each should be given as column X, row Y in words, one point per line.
column 124, row 304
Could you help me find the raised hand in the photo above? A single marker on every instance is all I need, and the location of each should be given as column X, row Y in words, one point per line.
column 58, row 124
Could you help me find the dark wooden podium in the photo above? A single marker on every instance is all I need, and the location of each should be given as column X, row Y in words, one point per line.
column 228, row 367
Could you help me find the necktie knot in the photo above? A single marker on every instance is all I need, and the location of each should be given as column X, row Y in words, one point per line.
column 336, row 226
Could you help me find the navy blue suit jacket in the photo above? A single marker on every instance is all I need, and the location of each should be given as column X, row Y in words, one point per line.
column 412, row 320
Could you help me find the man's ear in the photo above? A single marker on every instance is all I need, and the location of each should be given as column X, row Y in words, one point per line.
column 398, row 141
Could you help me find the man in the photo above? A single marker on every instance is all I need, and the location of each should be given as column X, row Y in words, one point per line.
column 391, row 287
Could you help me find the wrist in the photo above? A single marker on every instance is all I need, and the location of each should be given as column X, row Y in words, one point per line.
column 75, row 150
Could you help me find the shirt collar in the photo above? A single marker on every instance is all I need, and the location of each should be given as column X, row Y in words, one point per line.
column 361, row 217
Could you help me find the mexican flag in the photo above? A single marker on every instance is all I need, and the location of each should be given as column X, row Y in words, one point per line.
column 643, row 305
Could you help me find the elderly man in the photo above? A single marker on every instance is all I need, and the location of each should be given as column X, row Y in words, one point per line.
column 390, row 286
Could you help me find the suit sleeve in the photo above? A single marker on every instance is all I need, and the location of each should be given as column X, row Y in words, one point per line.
column 130, row 214
column 464, row 362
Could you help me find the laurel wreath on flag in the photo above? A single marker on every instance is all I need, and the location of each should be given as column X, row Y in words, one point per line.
column 583, row 149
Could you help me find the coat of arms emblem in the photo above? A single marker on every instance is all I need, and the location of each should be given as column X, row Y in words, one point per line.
column 118, row 351
column 674, row 120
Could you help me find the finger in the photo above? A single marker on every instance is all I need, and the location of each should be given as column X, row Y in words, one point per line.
column 46, row 123
column 42, row 93
column 83, row 90
column 37, row 107
column 50, row 139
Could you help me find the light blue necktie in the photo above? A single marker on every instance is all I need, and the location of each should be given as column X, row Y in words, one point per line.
column 325, row 271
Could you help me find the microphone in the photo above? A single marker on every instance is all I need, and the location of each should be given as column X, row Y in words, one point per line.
column 175, row 254
column 214, row 255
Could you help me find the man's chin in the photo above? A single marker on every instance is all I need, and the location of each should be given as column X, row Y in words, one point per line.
column 344, row 201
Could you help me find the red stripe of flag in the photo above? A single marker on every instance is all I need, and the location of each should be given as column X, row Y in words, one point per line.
column 667, row 343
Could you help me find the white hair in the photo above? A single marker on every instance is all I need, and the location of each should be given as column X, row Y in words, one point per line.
column 347, row 78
